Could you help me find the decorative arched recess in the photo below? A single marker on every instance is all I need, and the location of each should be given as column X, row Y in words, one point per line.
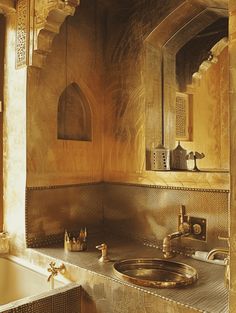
column 74, row 120
column 38, row 22
column 161, row 46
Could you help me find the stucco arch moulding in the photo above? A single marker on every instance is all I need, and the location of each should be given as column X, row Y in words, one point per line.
column 46, row 18
column 38, row 22
column 7, row 6
column 216, row 51
column 164, row 40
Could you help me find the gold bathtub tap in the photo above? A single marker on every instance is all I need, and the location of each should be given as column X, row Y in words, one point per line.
column 53, row 270
column 184, row 230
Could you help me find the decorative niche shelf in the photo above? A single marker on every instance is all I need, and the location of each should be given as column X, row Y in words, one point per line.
column 74, row 120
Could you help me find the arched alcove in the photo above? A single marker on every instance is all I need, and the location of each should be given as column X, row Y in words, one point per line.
column 74, row 115
column 161, row 47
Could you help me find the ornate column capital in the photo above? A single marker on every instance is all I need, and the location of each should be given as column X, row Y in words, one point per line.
column 48, row 16
column 7, row 6
column 38, row 22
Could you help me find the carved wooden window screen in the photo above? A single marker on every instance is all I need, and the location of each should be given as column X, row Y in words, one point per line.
column 183, row 127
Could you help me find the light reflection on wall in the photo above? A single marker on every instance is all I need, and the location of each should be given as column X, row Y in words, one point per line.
column 14, row 139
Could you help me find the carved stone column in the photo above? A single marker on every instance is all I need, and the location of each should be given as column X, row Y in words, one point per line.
column 232, row 53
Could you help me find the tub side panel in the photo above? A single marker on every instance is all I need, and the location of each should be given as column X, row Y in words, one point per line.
column 63, row 300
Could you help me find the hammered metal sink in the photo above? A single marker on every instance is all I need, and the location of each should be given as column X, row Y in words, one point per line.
column 156, row 273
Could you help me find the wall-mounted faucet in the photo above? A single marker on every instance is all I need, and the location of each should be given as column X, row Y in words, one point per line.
column 184, row 230
column 189, row 226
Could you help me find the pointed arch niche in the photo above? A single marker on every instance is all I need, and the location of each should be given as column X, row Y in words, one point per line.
column 74, row 118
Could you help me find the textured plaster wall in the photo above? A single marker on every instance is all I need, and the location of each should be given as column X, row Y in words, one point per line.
column 14, row 140
column 2, row 46
column 50, row 161
column 232, row 68
column 133, row 82
column 126, row 90
column 210, row 105
column 76, row 57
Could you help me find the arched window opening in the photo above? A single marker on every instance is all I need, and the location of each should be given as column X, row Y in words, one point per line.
column 74, row 115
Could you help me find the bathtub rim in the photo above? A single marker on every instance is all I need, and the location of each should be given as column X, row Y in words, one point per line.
column 68, row 284
column 35, row 268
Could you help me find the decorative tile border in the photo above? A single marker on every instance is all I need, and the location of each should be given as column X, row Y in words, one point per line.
column 169, row 187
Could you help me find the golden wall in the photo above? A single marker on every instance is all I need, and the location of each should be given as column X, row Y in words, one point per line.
column 76, row 57
column 210, row 121
column 132, row 98
column 232, row 94
column 128, row 84
column 113, row 64
column 14, row 140
column 2, row 38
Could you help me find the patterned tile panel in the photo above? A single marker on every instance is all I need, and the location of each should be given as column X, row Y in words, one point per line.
column 150, row 214
column 62, row 301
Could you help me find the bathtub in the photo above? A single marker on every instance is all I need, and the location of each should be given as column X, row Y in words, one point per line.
column 22, row 283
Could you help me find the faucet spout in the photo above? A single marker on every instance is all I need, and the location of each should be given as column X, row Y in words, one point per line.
column 226, row 256
column 213, row 252
column 166, row 248
column 183, row 231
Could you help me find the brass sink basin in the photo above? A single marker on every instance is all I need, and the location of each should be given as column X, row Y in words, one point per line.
column 156, row 273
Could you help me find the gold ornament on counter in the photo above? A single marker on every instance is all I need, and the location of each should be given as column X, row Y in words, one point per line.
column 75, row 244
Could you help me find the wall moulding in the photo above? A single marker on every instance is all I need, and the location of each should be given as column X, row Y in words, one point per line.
column 42, row 22
column 7, row 7
column 216, row 51
column 48, row 16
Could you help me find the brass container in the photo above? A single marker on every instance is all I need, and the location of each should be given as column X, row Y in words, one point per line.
column 155, row 273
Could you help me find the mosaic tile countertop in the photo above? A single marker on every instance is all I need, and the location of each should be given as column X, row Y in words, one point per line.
column 208, row 294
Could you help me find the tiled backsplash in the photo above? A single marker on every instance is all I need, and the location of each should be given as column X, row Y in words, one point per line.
column 150, row 213
column 142, row 212
column 51, row 210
